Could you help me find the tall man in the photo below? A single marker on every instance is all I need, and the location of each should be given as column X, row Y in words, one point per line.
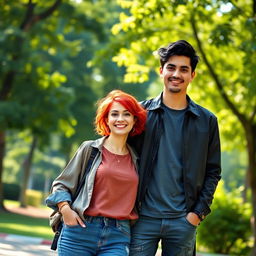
column 180, row 161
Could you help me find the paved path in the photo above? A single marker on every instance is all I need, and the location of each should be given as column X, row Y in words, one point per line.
column 16, row 245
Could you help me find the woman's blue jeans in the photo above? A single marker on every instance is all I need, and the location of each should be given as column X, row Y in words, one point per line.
column 102, row 237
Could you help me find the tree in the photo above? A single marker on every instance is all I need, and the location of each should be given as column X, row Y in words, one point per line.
column 49, row 54
column 12, row 53
column 224, row 33
column 32, row 42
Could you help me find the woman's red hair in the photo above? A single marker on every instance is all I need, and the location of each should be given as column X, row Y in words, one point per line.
column 129, row 102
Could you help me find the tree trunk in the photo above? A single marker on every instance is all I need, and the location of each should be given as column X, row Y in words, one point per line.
column 251, row 150
column 253, row 253
column 246, row 185
column 47, row 183
column 2, row 152
column 26, row 172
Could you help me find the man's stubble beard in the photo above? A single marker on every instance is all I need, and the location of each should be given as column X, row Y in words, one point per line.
column 174, row 90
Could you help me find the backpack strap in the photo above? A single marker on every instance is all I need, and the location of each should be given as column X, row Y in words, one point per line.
column 87, row 169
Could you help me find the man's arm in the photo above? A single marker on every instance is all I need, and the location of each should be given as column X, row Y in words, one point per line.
column 212, row 172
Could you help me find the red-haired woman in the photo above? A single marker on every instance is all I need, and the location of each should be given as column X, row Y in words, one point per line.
column 98, row 221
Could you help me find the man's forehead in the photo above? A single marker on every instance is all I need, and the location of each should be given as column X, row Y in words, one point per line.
column 181, row 61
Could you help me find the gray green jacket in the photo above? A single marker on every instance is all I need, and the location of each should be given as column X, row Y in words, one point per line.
column 64, row 186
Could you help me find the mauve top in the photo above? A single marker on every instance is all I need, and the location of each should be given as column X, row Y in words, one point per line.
column 115, row 187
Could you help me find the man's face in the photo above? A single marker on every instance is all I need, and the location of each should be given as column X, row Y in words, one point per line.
column 177, row 74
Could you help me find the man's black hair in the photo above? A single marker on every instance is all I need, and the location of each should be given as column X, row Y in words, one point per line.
column 179, row 48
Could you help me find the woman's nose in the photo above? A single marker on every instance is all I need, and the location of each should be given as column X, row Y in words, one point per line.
column 120, row 117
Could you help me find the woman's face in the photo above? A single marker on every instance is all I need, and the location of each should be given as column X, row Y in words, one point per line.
column 120, row 120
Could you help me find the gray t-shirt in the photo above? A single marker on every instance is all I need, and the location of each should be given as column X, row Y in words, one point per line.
column 165, row 197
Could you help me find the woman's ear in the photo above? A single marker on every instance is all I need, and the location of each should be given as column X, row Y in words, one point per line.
column 135, row 120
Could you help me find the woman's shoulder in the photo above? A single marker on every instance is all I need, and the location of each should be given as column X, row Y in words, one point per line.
column 97, row 143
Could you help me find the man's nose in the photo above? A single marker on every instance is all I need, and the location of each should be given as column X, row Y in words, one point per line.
column 176, row 73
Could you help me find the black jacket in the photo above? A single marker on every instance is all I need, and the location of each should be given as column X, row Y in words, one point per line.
column 201, row 153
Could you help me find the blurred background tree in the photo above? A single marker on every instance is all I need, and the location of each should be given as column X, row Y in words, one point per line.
column 47, row 88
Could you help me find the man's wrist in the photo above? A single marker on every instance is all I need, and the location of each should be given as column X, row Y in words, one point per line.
column 200, row 215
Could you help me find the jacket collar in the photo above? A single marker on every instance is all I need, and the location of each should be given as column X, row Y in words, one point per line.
column 98, row 143
column 156, row 103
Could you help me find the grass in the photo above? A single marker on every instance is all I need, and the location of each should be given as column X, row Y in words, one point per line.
column 12, row 223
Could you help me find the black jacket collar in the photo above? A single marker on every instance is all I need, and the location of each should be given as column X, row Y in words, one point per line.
column 156, row 103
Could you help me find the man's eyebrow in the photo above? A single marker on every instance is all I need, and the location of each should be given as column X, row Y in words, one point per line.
column 187, row 67
column 172, row 65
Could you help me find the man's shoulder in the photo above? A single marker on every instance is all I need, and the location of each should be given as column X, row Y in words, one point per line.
column 152, row 103
column 146, row 103
column 200, row 110
column 204, row 111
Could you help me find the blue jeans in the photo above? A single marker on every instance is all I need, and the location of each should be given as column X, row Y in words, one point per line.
column 102, row 236
column 177, row 237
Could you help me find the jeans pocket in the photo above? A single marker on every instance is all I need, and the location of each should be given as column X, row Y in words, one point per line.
column 190, row 224
column 136, row 248
column 124, row 228
column 72, row 226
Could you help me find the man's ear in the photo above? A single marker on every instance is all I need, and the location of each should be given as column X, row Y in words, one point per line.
column 193, row 75
column 160, row 71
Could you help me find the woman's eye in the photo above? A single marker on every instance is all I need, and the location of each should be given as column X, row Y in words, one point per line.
column 114, row 114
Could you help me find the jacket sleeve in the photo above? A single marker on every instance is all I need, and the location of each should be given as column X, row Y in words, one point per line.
column 64, row 186
column 212, row 172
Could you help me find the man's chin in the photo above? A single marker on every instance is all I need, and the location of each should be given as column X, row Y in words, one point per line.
column 174, row 90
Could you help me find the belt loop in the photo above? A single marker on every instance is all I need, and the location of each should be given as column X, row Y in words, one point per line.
column 105, row 219
column 88, row 218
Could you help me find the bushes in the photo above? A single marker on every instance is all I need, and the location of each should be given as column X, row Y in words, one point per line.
column 11, row 191
column 33, row 197
column 227, row 229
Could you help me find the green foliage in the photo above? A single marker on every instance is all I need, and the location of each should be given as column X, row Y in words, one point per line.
column 11, row 191
column 33, row 197
column 55, row 86
column 227, row 34
column 11, row 223
column 227, row 229
column 234, row 168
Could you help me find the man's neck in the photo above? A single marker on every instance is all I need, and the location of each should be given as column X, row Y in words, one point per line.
column 175, row 100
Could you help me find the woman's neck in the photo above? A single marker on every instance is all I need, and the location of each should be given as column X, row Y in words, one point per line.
column 116, row 145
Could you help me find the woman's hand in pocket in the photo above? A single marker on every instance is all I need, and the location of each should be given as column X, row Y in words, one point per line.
column 70, row 217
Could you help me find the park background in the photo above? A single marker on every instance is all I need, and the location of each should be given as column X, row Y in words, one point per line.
column 58, row 57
